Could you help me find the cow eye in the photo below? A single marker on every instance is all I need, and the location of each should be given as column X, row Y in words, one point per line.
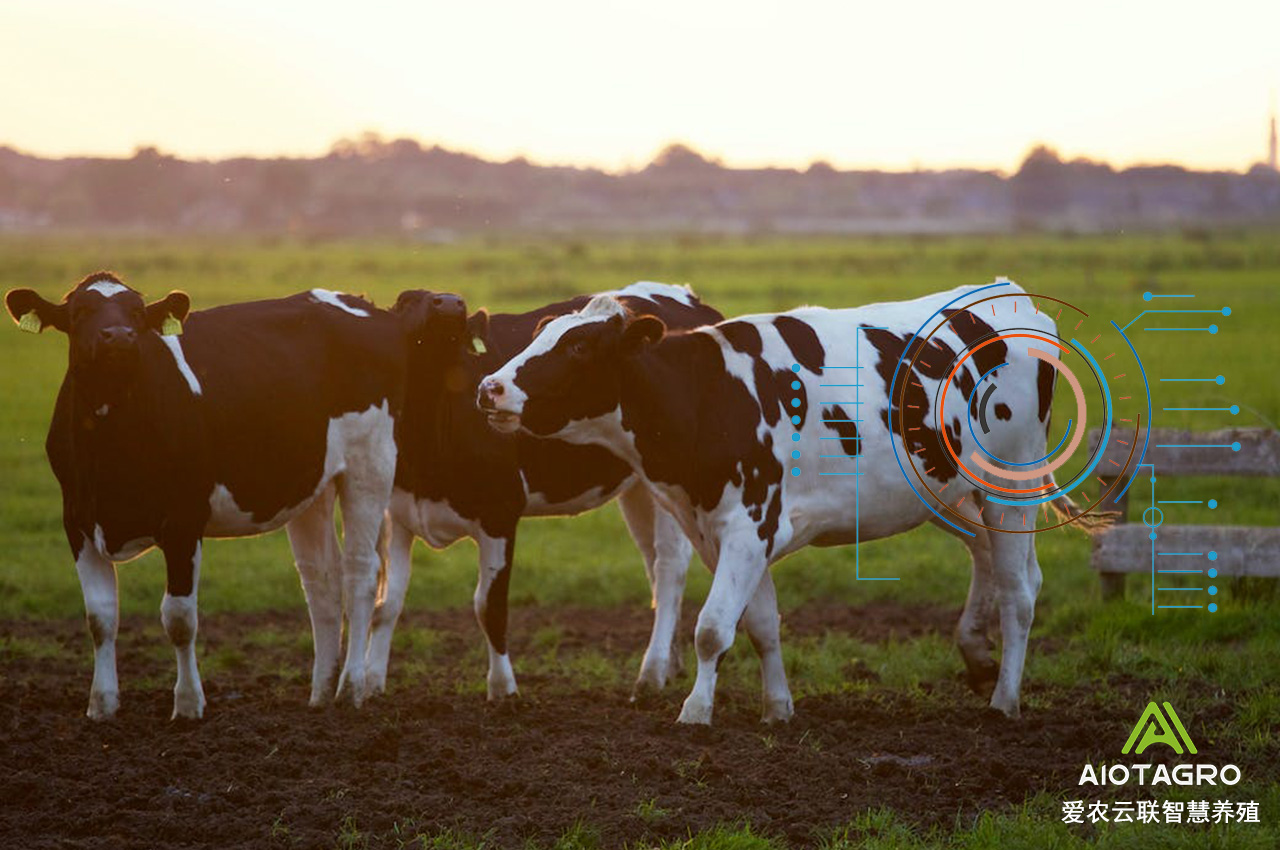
column 578, row 349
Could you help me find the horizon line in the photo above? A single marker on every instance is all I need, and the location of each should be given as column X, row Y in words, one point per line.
column 716, row 160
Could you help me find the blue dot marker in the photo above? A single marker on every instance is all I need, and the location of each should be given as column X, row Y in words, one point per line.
column 1213, row 607
column 1235, row 447
column 1213, row 556
column 1226, row 311
column 795, row 453
column 795, row 367
column 1213, row 590
column 795, row 438
column 1220, row 380
column 795, row 402
column 795, row 420
column 1213, row 503
column 1153, row 479
column 795, row 471
column 1213, row 329
column 1213, row 573
column 1153, row 535
column 795, row 385
column 1235, row 409
column 1146, row 296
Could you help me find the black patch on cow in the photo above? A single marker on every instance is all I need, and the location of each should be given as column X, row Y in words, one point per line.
column 773, row 388
column 833, row 417
column 911, row 422
column 972, row 331
column 803, row 342
column 744, row 337
column 494, row 616
column 1045, row 376
column 1003, row 412
column 963, row 381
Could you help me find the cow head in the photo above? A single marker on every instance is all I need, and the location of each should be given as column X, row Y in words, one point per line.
column 433, row 319
column 569, row 372
column 104, row 319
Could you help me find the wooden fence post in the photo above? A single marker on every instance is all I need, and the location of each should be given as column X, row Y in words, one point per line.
column 1113, row 583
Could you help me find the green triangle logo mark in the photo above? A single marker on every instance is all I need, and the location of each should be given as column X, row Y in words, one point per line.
column 1154, row 727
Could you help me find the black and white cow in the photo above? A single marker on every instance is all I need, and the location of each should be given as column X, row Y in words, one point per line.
column 258, row 415
column 707, row 418
column 458, row 478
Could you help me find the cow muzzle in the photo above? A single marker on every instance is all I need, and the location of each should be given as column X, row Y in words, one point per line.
column 493, row 398
column 116, row 346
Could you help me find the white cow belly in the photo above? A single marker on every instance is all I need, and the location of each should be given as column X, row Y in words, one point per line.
column 353, row 438
column 437, row 523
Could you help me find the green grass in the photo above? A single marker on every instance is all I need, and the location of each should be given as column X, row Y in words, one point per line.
column 589, row 560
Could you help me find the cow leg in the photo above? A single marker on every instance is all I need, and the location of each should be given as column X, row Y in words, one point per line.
column 490, row 600
column 363, row 493
column 1016, row 598
column 391, row 602
column 972, row 632
column 761, row 620
column 178, row 614
column 102, row 614
column 738, row 572
column 666, row 553
column 315, row 552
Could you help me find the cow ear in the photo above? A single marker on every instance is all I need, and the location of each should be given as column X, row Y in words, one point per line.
column 542, row 323
column 478, row 328
column 33, row 314
column 167, row 314
column 642, row 331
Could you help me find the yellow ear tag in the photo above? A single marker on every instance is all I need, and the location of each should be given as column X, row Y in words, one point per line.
column 478, row 344
column 30, row 322
column 171, row 327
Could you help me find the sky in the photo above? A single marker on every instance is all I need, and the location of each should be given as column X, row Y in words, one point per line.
column 596, row 82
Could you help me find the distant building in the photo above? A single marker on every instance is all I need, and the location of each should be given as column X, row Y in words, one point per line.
column 1271, row 148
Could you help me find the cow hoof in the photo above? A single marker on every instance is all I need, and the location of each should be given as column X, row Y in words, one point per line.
column 982, row 678
column 650, row 681
column 501, row 689
column 188, row 706
column 778, row 711
column 694, row 714
column 352, row 690
column 1010, row 710
column 103, row 705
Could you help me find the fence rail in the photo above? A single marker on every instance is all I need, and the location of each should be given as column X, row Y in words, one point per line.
column 1240, row 550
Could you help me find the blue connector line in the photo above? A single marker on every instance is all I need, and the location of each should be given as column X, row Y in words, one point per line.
column 1147, row 436
column 1145, row 312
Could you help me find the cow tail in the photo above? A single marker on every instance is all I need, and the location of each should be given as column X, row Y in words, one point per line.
column 1067, row 510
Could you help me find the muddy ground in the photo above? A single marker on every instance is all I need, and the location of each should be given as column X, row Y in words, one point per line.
column 264, row 770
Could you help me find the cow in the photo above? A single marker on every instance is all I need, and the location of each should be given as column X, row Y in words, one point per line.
column 171, row 427
column 457, row 478
column 711, row 419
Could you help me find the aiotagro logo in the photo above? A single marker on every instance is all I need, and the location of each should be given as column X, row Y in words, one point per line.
column 1155, row 728
column 1159, row 727
column 1152, row 720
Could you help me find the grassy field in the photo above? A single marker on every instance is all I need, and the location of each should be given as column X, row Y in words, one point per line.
column 589, row 561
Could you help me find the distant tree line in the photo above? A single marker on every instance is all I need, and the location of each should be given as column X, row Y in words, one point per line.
column 370, row 185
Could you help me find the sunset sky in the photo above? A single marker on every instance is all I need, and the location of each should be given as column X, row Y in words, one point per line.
column 603, row 83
